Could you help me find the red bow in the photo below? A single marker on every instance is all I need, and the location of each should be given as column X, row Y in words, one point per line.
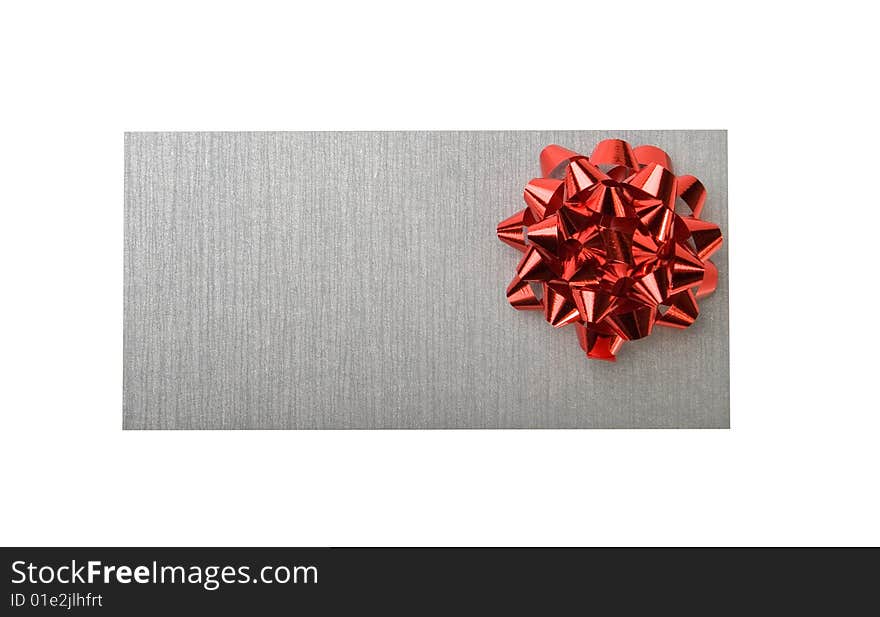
column 606, row 249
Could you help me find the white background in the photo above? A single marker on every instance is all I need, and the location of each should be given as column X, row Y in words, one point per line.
column 794, row 86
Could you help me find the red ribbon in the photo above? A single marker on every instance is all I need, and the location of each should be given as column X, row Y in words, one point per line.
column 605, row 249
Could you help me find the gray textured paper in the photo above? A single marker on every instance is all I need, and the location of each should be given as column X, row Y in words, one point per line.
column 354, row 280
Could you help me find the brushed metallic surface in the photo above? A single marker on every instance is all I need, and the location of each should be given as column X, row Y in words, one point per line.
column 295, row 281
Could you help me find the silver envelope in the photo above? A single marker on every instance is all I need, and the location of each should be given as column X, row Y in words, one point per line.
column 332, row 280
